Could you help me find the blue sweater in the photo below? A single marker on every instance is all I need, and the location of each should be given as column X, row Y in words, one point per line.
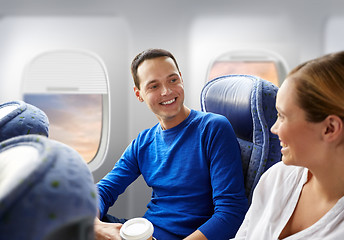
column 196, row 175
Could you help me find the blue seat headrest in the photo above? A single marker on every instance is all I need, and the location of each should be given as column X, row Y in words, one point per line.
column 231, row 99
column 46, row 191
column 20, row 118
column 248, row 102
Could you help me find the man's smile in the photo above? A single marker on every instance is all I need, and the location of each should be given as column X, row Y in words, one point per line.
column 169, row 102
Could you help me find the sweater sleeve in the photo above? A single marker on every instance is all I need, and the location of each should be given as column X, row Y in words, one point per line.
column 118, row 179
column 229, row 199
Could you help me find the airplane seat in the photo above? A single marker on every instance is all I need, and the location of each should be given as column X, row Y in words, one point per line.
column 20, row 118
column 46, row 191
column 248, row 102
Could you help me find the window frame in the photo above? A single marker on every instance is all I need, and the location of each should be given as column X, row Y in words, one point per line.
column 252, row 55
column 99, row 156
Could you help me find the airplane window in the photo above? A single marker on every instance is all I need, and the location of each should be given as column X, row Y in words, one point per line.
column 265, row 70
column 71, row 87
column 74, row 119
column 258, row 63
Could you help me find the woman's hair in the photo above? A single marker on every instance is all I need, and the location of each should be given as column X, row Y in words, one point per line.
column 145, row 55
column 320, row 86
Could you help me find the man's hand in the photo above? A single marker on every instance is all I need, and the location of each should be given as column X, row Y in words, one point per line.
column 106, row 231
column 196, row 235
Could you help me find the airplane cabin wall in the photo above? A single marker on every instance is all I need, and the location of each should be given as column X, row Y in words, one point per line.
column 194, row 31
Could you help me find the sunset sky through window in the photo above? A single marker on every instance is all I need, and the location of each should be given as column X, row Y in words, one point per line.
column 265, row 70
column 75, row 119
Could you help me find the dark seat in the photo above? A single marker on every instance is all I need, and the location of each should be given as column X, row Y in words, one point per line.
column 20, row 118
column 46, row 191
column 248, row 102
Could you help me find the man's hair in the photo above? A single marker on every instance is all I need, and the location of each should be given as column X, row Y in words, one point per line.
column 145, row 55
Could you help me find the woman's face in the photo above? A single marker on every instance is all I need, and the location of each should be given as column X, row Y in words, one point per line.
column 299, row 138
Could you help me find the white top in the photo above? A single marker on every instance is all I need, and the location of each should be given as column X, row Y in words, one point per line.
column 274, row 200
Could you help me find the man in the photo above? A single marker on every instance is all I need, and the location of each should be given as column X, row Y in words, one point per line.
column 190, row 159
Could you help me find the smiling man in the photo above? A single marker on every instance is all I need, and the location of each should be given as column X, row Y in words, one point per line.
column 162, row 88
column 190, row 159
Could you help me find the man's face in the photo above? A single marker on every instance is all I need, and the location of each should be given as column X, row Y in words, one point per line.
column 162, row 88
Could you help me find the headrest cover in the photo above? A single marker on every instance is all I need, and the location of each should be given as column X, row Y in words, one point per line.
column 55, row 193
column 231, row 96
column 20, row 118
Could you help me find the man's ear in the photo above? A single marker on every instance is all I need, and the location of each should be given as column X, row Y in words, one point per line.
column 333, row 128
column 137, row 94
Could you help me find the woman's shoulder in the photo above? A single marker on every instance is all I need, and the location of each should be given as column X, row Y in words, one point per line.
column 281, row 173
column 277, row 183
column 281, row 176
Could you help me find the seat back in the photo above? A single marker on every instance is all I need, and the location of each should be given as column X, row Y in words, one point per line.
column 46, row 191
column 248, row 102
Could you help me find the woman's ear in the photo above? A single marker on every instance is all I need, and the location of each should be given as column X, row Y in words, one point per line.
column 333, row 128
column 137, row 94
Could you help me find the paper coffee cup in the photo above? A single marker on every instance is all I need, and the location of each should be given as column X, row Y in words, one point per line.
column 137, row 229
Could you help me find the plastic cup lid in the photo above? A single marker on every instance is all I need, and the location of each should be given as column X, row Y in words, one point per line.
column 137, row 229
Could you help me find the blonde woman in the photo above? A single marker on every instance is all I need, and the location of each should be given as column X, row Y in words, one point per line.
column 302, row 197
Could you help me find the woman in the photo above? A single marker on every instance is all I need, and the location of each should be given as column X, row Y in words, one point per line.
column 302, row 196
